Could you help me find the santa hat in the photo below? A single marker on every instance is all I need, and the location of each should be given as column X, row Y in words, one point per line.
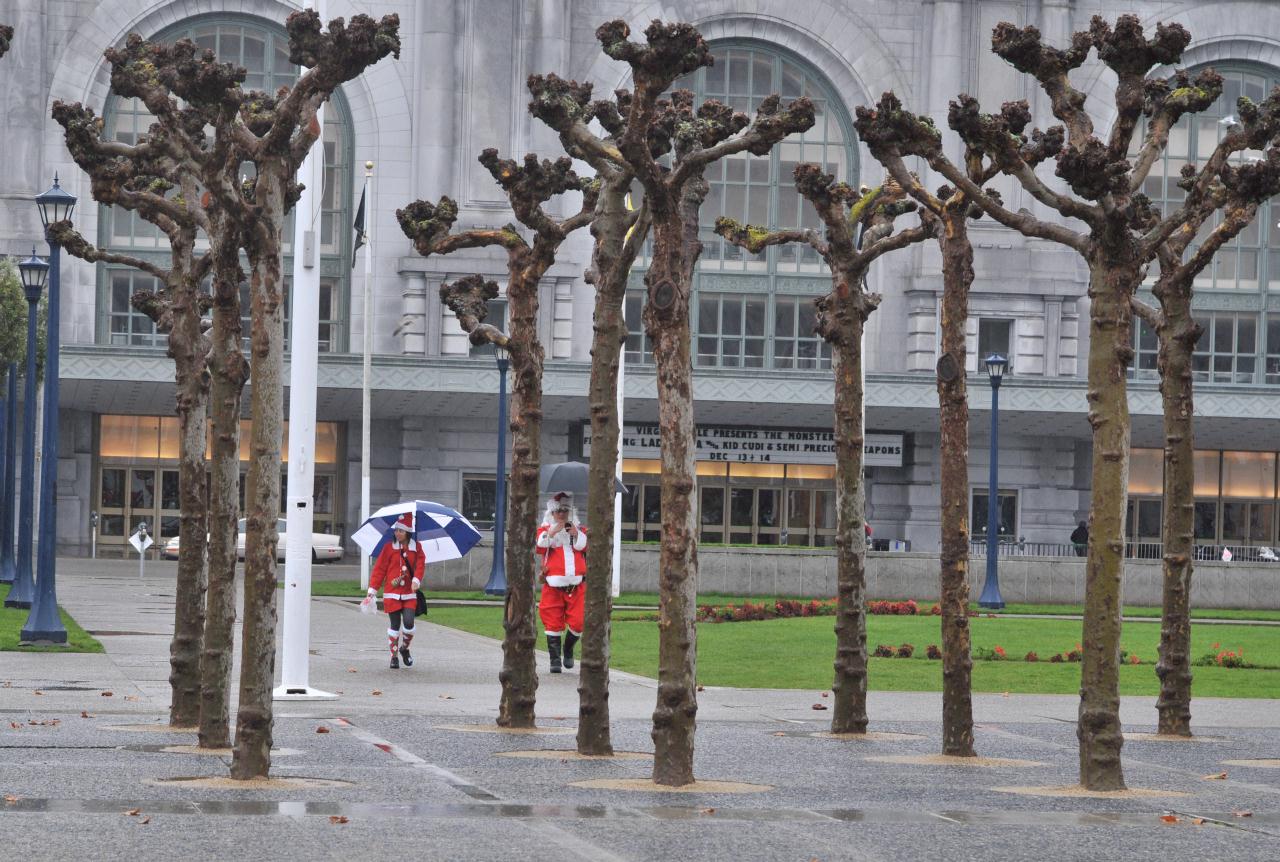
column 405, row 522
column 561, row 499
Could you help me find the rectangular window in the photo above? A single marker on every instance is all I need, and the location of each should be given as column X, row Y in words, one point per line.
column 731, row 330
column 498, row 317
column 994, row 337
column 1146, row 349
column 639, row 348
column 125, row 326
column 480, row 500
column 795, row 344
column 1227, row 352
column 1273, row 345
column 1007, row 513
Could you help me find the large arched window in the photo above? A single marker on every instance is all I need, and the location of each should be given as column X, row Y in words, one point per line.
column 1241, row 342
column 262, row 48
column 756, row 311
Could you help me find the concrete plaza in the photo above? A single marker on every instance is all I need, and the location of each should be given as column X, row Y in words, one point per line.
column 408, row 776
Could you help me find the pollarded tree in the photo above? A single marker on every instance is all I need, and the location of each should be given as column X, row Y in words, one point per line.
column 528, row 186
column 141, row 178
column 274, row 132
column 1237, row 193
column 188, row 92
column 952, row 209
column 859, row 229
column 674, row 193
column 619, row 232
column 1121, row 234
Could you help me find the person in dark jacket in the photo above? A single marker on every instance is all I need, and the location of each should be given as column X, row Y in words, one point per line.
column 1080, row 538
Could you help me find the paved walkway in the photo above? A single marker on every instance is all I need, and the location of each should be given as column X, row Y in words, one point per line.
column 393, row 740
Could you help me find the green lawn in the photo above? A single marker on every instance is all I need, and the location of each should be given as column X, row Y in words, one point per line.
column 352, row 588
column 798, row 653
column 13, row 619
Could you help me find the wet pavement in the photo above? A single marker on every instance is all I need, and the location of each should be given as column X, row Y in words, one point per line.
column 398, row 778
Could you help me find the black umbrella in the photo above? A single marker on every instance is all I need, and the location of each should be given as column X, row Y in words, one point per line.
column 569, row 477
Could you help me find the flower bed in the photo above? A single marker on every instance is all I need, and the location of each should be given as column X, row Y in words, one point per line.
column 787, row 608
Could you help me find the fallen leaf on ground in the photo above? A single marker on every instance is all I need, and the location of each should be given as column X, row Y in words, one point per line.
column 9, row 798
column 1169, row 818
column 377, row 692
column 108, row 694
column 84, row 714
column 134, row 812
column 339, row 818
column 824, row 694
column 708, row 811
column 352, row 670
column 1244, row 813
column 1005, row 694
column 322, row 729
column 445, row 696
column 8, row 683
column 15, row 725
column 146, row 820
column 1217, row 776
column 819, row 706
column 38, row 693
column 780, row 733
column 1199, row 821
column 130, row 697
column 702, row 688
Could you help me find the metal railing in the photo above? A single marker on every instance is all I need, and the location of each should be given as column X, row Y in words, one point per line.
column 1137, row 550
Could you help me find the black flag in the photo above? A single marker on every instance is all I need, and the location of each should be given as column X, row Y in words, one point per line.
column 361, row 234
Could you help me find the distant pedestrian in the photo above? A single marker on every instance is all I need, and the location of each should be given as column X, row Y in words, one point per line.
column 398, row 573
column 1080, row 539
column 562, row 543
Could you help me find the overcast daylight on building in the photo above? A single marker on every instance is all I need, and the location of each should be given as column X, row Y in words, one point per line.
column 763, row 382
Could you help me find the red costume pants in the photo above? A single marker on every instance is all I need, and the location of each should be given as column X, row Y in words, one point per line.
column 559, row 607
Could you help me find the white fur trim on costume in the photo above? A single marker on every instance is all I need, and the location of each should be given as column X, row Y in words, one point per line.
column 400, row 597
column 405, row 631
column 393, row 633
column 567, row 580
column 554, row 634
column 575, row 634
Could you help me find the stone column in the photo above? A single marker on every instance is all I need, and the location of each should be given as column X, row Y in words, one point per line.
column 413, row 325
column 437, row 61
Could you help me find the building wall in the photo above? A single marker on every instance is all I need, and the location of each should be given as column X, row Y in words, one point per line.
column 459, row 86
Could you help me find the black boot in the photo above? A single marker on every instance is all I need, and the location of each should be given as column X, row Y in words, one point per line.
column 569, row 640
column 395, row 662
column 404, row 655
column 553, row 647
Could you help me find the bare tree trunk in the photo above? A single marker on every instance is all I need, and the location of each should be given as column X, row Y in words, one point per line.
column 953, row 404
column 229, row 372
column 519, row 674
column 1177, row 342
column 187, row 351
column 252, row 757
column 666, row 317
column 850, row 686
column 610, row 276
column 1110, row 348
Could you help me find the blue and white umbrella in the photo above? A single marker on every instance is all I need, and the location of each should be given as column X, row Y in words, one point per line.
column 443, row 533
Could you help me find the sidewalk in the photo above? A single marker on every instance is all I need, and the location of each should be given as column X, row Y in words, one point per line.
column 827, row 801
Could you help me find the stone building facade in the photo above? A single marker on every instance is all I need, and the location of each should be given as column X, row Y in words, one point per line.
column 763, row 383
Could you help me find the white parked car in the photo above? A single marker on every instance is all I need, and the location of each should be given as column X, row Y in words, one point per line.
column 325, row 548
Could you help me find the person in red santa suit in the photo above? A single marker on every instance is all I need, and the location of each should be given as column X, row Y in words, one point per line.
column 398, row 573
column 562, row 543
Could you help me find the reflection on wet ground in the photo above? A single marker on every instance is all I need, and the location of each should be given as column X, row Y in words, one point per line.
column 1265, row 824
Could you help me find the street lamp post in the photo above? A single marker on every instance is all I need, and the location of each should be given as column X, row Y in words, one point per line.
column 497, row 584
column 34, row 272
column 996, row 365
column 8, row 565
column 44, row 624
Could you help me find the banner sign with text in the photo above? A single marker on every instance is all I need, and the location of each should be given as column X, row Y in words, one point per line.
column 757, row 445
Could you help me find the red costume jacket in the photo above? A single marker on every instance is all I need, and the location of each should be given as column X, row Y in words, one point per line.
column 397, row 586
column 563, row 565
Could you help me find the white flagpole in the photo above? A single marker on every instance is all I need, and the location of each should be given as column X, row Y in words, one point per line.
column 367, row 365
column 617, row 497
column 303, row 372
